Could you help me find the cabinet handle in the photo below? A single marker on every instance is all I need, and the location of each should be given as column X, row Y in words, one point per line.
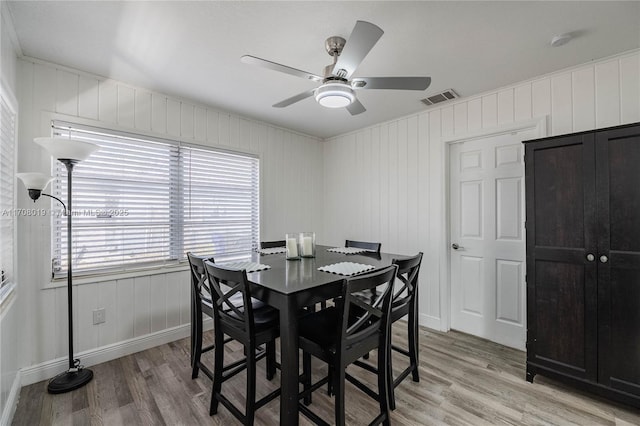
column 604, row 259
column 591, row 257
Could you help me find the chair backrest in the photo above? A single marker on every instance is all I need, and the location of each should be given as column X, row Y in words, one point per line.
column 271, row 244
column 405, row 293
column 199, row 283
column 365, row 323
column 364, row 245
column 230, row 316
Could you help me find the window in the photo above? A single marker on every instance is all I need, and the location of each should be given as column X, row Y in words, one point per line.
column 7, row 185
column 141, row 201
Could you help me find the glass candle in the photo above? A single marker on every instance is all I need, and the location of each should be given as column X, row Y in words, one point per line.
column 308, row 244
column 293, row 246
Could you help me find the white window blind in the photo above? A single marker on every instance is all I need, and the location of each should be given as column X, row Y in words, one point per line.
column 7, row 185
column 140, row 201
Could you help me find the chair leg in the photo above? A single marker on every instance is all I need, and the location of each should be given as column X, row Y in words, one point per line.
column 330, row 381
column 250, row 409
column 339, row 392
column 386, row 399
column 218, row 366
column 196, row 343
column 271, row 360
column 412, row 333
column 387, row 362
column 306, row 374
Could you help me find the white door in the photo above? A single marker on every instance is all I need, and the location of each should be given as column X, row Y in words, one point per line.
column 487, row 237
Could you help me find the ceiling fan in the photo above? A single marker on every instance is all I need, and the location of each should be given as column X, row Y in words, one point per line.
column 338, row 89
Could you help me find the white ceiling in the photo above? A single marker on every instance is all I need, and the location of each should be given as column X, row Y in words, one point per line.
column 192, row 49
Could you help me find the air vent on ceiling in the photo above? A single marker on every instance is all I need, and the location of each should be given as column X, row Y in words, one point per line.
column 444, row 96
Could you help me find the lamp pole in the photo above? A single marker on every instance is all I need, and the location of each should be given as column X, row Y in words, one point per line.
column 76, row 376
column 69, row 165
column 69, row 152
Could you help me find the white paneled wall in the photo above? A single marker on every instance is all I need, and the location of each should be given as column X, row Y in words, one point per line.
column 291, row 200
column 387, row 182
column 10, row 361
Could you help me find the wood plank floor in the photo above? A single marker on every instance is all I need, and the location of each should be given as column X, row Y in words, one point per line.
column 464, row 381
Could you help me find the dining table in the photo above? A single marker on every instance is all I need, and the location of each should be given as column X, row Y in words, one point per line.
column 289, row 286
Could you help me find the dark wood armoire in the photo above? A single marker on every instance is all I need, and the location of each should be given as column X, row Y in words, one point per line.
column 583, row 260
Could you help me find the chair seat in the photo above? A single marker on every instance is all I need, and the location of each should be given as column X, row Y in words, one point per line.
column 265, row 315
column 320, row 330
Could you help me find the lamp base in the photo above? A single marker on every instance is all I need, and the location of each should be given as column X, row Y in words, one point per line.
column 70, row 380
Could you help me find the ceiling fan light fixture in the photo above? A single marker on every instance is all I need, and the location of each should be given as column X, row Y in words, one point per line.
column 335, row 95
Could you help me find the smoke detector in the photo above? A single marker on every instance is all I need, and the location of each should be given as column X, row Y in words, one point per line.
column 560, row 40
column 443, row 96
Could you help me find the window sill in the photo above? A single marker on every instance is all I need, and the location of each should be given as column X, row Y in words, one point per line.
column 114, row 276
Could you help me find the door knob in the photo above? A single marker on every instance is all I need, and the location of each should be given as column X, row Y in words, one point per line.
column 591, row 257
column 604, row 259
column 455, row 246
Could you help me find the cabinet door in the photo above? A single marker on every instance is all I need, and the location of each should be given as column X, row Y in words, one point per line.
column 561, row 282
column 618, row 198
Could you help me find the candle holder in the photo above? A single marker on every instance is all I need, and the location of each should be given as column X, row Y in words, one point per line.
column 308, row 244
column 293, row 246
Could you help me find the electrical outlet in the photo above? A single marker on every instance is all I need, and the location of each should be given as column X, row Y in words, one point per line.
column 99, row 316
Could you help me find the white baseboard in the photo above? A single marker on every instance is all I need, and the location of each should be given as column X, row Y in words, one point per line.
column 12, row 401
column 49, row 369
column 431, row 322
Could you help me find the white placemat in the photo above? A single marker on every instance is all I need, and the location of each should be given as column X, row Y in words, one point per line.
column 346, row 268
column 249, row 266
column 348, row 250
column 272, row 250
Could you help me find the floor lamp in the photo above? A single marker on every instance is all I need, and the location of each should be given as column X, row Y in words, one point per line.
column 69, row 152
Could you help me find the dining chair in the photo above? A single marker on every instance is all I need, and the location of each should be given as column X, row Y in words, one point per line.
column 201, row 304
column 339, row 338
column 404, row 302
column 272, row 244
column 375, row 247
column 246, row 325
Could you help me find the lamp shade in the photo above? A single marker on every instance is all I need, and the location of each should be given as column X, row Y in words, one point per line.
column 37, row 181
column 335, row 95
column 67, row 149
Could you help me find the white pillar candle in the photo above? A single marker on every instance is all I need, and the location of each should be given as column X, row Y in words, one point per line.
column 292, row 247
column 307, row 246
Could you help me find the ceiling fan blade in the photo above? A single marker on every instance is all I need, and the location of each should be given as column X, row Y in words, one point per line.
column 248, row 59
column 395, row 83
column 362, row 39
column 356, row 107
column 294, row 99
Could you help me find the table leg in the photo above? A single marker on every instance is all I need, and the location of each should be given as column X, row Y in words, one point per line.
column 290, row 363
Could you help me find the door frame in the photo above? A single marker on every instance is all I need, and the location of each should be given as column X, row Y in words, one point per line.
column 540, row 125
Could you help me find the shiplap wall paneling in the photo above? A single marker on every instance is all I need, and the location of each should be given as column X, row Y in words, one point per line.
column 108, row 300
column 522, row 103
column 607, row 79
column 584, row 107
column 629, row 89
column 67, row 92
column 561, row 104
column 88, row 104
column 107, row 101
column 126, row 107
